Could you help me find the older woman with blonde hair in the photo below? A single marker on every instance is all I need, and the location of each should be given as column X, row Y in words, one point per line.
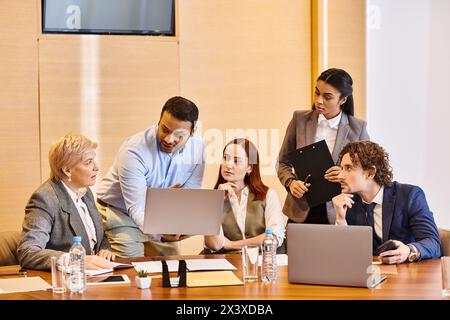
column 64, row 207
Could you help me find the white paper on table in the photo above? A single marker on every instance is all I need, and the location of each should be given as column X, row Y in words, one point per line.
column 25, row 284
column 95, row 272
column 117, row 265
column 209, row 264
column 155, row 266
column 282, row 260
column 92, row 272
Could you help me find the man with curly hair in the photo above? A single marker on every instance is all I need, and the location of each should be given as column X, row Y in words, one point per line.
column 395, row 211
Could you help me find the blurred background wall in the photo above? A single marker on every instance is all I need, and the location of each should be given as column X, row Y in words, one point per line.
column 408, row 68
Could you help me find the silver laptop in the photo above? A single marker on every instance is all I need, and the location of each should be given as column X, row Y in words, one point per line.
column 331, row 255
column 183, row 211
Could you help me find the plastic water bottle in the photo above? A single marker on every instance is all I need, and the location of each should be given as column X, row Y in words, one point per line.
column 269, row 257
column 77, row 266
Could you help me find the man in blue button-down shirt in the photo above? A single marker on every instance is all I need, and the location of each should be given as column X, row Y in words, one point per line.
column 167, row 155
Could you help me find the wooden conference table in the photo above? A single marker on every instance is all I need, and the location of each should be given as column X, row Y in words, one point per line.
column 420, row 280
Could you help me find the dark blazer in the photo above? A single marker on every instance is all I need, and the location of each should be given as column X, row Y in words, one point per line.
column 301, row 132
column 405, row 217
column 51, row 221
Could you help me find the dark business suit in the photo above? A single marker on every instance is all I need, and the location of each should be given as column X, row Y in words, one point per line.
column 301, row 132
column 51, row 221
column 405, row 217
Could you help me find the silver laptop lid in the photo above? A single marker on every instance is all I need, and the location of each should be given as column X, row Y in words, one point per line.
column 183, row 211
column 329, row 254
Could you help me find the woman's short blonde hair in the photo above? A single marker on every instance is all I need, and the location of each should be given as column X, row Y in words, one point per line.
column 66, row 152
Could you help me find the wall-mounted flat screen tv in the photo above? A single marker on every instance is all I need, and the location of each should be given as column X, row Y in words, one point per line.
column 139, row 17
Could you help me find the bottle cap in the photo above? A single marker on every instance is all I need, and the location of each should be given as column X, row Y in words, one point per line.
column 76, row 239
column 269, row 231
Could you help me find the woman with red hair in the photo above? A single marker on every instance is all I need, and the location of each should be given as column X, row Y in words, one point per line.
column 250, row 206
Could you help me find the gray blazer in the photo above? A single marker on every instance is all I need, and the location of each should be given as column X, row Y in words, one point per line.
column 301, row 132
column 51, row 220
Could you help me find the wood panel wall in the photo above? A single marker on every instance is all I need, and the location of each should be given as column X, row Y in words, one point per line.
column 107, row 88
column 247, row 64
column 347, row 45
column 19, row 111
column 339, row 41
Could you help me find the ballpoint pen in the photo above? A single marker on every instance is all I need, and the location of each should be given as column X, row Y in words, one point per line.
column 306, row 179
column 21, row 272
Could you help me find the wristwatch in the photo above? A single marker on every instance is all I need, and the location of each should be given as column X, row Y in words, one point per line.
column 414, row 254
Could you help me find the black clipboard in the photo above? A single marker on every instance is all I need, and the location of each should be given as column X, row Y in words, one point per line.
column 314, row 160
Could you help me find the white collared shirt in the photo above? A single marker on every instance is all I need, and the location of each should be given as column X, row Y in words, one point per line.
column 377, row 213
column 273, row 215
column 84, row 215
column 327, row 130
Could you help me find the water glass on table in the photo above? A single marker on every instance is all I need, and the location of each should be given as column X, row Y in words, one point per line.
column 445, row 264
column 58, row 277
column 250, row 263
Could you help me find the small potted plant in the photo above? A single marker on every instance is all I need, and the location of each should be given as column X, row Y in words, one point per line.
column 143, row 279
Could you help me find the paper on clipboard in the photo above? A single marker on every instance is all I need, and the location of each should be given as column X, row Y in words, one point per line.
column 314, row 160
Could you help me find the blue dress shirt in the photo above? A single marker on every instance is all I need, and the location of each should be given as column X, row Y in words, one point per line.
column 140, row 164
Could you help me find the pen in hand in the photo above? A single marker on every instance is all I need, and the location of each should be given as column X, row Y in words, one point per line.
column 299, row 188
column 306, row 179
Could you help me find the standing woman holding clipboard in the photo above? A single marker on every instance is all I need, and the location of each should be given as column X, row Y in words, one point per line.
column 331, row 119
